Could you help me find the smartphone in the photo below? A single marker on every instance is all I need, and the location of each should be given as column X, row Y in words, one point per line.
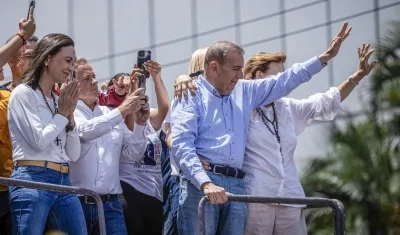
column 32, row 4
column 143, row 56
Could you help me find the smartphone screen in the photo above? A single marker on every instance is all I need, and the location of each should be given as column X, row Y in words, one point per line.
column 32, row 4
column 143, row 56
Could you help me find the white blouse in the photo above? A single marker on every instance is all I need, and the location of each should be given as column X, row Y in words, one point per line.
column 34, row 130
column 268, row 172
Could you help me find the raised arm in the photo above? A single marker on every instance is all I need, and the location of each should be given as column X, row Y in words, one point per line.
column 265, row 91
column 325, row 106
column 93, row 128
column 363, row 70
column 158, row 115
column 27, row 28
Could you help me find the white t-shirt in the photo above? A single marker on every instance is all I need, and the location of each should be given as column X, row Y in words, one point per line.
column 145, row 175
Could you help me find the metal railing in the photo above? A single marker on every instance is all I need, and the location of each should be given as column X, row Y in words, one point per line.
column 61, row 189
column 336, row 205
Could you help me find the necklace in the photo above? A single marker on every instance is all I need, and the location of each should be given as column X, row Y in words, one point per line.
column 58, row 140
column 274, row 123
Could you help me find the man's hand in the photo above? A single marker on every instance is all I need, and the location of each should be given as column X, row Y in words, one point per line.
column 216, row 194
column 183, row 82
column 337, row 41
column 27, row 27
column 153, row 68
column 132, row 103
column 143, row 114
column 364, row 68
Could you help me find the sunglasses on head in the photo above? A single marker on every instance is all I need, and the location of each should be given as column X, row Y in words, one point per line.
column 196, row 74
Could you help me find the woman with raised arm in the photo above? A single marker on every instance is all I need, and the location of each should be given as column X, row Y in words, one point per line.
column 273, row 129
column 45, row 140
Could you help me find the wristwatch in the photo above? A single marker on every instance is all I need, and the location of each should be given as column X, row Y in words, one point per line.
column 352, row 81
column 70, row 126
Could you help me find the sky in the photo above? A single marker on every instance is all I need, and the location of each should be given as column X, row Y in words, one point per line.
column 109, row 32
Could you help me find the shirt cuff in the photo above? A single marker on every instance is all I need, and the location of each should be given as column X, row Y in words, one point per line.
column 337, row 99
column 313, row 65
column 200, row 178
column 138, row 131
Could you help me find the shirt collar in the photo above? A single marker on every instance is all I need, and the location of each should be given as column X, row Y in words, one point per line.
column 81, row 105
column 202, row 80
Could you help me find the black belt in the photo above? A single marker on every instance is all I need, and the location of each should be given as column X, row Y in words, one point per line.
column 227, row 171
column 104, row 198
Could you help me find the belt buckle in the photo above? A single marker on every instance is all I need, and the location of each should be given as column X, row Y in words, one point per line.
column 64, row 169
column 236, row 172
column 215, row 167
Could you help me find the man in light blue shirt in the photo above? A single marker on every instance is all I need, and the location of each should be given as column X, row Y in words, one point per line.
column 213, row 124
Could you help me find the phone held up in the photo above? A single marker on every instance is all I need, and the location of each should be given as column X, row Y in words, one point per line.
column 142, row 57
column 31, row 4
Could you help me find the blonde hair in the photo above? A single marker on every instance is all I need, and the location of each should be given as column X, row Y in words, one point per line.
column 197, row 60
column 260, row 62
column 80, row 61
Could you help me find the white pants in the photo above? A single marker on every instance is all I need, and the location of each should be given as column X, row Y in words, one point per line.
column 266, row 219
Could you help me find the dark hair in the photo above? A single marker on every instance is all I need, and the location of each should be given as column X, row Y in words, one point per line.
column 116, row 76
column 218, row 51
column 51, row 44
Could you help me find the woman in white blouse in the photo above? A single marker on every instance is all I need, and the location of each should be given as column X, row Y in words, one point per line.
column 269, row 164
column 45, row 140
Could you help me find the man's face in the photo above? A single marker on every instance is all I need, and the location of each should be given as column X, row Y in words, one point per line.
column 229, row 73
column 21, row 59
column 87, row 82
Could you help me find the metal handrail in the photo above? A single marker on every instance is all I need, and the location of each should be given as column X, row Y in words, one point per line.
column 62, row 189
column 336, row 205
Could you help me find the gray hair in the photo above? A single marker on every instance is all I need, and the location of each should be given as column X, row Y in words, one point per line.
column 219, row 50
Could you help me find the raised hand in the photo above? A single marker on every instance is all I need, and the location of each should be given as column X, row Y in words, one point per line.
column 364, row 67
column 27, row 27
column 183, row 82
column 153, row 68
column 68, row 99
column 337, row 41
column 143, row 114
column 134, row 78
column 133, row 102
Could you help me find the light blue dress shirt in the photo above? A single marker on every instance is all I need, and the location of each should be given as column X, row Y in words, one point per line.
column 215, row 127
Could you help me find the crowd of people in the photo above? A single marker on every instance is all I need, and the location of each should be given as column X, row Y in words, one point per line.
column 228, row 130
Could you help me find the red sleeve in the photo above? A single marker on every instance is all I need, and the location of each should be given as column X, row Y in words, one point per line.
column 110, row 98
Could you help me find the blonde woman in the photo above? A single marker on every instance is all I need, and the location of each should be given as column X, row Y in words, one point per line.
column 171, row 176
